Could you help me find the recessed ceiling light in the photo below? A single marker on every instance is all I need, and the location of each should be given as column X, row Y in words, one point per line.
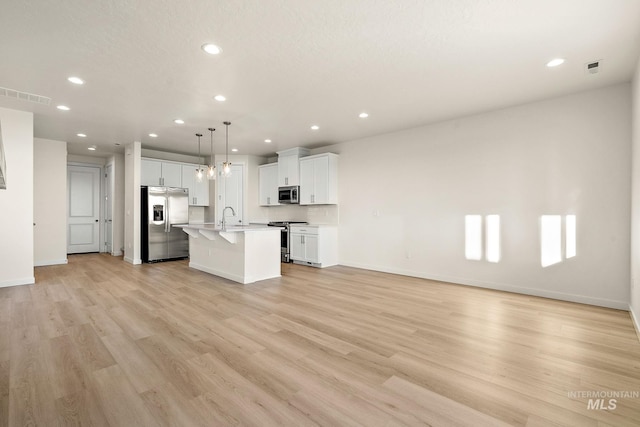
column 92, row 148
column 220, row 98
column 153, row 135
column 178, row 121
column 211, row 48
column 268, row 141
column 363, row 115
column 76, row 80
column 235, row 150
column 315, row 127
column 63, row 108
column 555, row 62
column 81, row 135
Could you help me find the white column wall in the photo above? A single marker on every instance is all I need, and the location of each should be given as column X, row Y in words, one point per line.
column 16, row 202
column 50, row 201
column 132, row 250
column 404, row 195
column 635, row 213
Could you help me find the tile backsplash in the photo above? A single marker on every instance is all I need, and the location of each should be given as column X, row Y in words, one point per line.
column 320, row 214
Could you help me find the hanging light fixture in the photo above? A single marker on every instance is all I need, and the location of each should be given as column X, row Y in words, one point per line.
column 226, row 166
column 199, row 169
column 211, row 170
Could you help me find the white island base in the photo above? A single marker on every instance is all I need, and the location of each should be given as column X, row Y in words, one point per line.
column 243, row 254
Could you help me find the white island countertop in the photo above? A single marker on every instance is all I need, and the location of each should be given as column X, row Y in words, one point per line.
column 242, row 253
column 211, row 230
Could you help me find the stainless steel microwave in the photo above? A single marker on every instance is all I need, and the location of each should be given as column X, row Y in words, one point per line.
column 289, row 195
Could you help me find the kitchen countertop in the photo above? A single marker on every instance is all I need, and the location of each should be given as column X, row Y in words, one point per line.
column 230, row 229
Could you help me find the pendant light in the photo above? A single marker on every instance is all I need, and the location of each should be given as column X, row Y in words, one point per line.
column 199, row 169
column 211, row 170
column 226, row 166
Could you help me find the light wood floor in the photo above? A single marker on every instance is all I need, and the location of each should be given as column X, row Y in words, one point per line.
column 101, row 342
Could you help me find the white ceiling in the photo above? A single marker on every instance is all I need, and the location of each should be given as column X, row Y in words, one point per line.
column 288, row 64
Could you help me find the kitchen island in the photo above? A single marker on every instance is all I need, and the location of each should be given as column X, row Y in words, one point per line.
column 244, row 254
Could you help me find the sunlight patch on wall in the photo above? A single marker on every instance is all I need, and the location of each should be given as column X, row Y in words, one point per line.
column 550, row 239
column 476, row 237
column 570, row 235
column 551, row 244
column 493, row 238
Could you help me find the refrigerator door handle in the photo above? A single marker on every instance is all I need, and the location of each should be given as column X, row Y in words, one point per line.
column 166, row 223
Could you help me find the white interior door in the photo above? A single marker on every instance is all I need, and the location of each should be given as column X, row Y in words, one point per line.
column 83, row 207
column 231, row 193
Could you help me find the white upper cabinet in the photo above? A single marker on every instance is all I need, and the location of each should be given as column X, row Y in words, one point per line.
column 198, row 191
column 150, row 172
column 289, row 166
column 319, row 179
column 158, row 172
column 268, row 184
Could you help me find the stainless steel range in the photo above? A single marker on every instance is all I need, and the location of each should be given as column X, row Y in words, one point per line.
column 285, row 238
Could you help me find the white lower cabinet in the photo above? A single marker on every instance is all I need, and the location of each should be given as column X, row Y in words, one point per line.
column 314, row 245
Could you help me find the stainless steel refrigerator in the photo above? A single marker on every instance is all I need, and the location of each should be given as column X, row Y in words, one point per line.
column 161, row 208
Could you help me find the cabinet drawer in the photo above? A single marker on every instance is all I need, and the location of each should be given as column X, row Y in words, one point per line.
column 304, row 229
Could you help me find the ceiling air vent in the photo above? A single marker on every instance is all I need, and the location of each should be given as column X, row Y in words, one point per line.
column 593, row 67
column 24, row 96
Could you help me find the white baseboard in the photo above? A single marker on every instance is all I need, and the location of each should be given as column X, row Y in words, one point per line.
column 51, row 262
column 601, row 302
column 636, row 321
column 117, row 253
column 16, row 282
column 133, row 261
column 234, row 277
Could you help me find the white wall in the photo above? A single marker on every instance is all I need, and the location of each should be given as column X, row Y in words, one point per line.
column 132, row 250
column 404, row 195
column 49, row 201
column 16, row 202
column 635, row 213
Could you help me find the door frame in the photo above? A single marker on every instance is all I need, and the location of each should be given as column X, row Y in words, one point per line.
column 101, row 199
column 108, row 183
column 218, row 196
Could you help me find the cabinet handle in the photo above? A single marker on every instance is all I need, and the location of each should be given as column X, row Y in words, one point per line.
column 286, row 181
column 268, row 200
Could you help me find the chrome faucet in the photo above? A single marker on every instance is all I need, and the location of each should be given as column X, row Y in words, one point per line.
column 224, row 222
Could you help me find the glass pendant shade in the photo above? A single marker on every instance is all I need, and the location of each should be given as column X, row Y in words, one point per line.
column 199, row 169
column 226, row 168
